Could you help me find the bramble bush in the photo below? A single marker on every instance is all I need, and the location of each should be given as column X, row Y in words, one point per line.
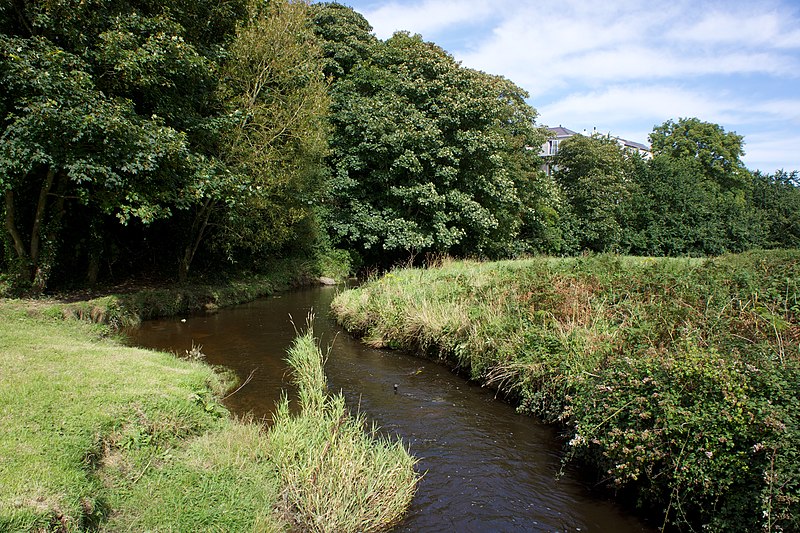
column 677, row 380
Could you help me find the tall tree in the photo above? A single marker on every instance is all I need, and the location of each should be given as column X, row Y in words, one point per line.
column 275, row 90
column 675, row 212
column 718, row 153
column 109, row 109
column 594, row 174
column 698, row 188
column 429, row 156
column 345, row 37
column 776, row 198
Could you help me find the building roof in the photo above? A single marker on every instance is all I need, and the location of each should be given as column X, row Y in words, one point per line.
column 560, row 132
column 634, row 144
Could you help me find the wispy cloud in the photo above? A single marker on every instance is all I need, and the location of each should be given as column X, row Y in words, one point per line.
column 768, row 150
column 750, row 25
column 627, row 66
column 426, row 17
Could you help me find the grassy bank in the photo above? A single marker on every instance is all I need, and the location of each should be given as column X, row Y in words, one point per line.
column 94, row 435
column 129, row 308
column 126, row 305
column 677, row 380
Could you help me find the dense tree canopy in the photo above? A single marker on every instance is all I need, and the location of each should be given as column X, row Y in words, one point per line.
column 718, row 153
column 142, row 135
column 776, row 199
column 345, row 37
column 177, row 116
column 110, row 109
column 692, row 197
column 275, row 98
column 594, row 173
column 428, row 155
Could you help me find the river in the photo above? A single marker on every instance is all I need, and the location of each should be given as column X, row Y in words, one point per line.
column 486, row 468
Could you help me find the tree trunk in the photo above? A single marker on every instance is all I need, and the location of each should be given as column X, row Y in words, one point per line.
column 41, row 209
column 11, row 227
column 196, row 235
column 30, row 254
column 95, row 253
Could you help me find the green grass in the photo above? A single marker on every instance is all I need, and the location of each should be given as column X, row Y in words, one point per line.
column 336, row 475
column 129, row 309
column 95, row 435
column 677, row 380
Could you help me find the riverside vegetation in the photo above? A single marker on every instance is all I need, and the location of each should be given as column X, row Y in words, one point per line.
column 676, row 380
column 98, row 436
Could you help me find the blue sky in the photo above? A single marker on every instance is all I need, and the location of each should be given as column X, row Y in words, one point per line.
column 624, row 67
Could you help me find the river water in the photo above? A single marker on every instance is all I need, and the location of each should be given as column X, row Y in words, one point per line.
column 486, row 468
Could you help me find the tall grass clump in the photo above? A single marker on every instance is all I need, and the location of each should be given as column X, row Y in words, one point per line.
column 336, row 475
column 676, row 380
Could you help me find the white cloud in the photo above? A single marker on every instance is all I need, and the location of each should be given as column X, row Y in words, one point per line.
column 619, row 106
column 626, row 67
column 591, row 43
column 750, row 25
column 783, row 108
column 620, row 102
column 426, row 17
column 772, row 150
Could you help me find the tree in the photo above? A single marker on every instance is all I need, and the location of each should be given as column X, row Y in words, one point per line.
column 345, row 37
column 776, row 198
column 428, row 156
column 696, row 192
column 109, row 109
column 717, row 152
column 275, row 90
column 594, row 174
column 675, row 213
column 66, row 140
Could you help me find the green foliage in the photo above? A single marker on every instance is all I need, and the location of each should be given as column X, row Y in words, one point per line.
column 275, row 89
column 129, row 309
column 429, row 156
column 717, row 152
column 776, row 199
column 188, row 123
column 110, row 109
column 594, row 174
column 345, row 37
column 676, row 211
column 677, row 379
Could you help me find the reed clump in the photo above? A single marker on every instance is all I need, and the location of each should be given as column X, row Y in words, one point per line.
column 677, row 380
column 336, row 474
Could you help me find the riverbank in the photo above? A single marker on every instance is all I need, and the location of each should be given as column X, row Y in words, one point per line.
column 675, row 379
column 99, row 436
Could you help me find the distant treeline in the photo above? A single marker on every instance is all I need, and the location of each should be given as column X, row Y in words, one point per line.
column 175, row 138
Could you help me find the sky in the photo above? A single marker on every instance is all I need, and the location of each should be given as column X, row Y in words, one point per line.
column 624, row 67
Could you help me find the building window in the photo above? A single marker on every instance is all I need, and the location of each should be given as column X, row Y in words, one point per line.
column 554, row 147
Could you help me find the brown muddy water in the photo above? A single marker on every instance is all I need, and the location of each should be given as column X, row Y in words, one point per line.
column 486, row 467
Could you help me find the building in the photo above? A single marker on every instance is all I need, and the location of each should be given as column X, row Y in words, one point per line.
column 550, row 147
column 559, row 134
